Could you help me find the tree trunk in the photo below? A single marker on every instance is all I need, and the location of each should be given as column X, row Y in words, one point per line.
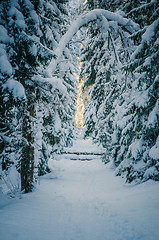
column 27, row 161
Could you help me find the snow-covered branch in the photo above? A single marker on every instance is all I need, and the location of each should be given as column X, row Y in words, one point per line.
column 84, row 19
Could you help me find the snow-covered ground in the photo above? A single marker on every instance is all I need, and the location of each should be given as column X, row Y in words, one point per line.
column 85, row 145
column 83, row 200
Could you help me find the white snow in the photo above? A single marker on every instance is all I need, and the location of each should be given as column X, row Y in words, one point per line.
column 157, row 79
column 136, row 147
column 127, row 128
column 154, row 151
column 85, row 145
column 28, row 4
column 114, row 138
column 4, row 35
column 141, row 99
column 33, row 50
column 21, row 24
column 122, row 122
column 11, row 181
column 150, row 172
column 52, row 7
column 83, row 200
column 16, row 88
column 146, row 37
column 85, row 19
column 57, row 124
column 34, row 17
column 5, row 66
column 56, row 82
column 153, row 116
column 14, row 12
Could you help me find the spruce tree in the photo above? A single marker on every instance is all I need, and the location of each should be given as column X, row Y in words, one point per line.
column 140, row 132
column 31, row 31
column 122, row 112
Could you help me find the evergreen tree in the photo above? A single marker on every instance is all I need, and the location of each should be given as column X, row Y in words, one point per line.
column 30, row 33
column 122, row 112
column 140, row 131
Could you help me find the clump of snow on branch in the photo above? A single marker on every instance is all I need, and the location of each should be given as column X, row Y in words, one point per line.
column 5, row 66
column 154, row 151
column 16, row 88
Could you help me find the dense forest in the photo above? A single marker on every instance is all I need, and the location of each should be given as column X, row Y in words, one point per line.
column 119, row 66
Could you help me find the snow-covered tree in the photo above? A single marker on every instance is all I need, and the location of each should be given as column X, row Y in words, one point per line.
column 138, row 133
column 30, row 33
column 122, row 112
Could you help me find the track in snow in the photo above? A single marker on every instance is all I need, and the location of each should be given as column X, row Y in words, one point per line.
column 83, row 200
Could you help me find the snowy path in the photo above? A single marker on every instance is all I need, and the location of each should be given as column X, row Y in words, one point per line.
column 84, row 201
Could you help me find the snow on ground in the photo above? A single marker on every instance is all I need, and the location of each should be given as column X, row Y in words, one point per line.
column 83, row 200
column 85, row 145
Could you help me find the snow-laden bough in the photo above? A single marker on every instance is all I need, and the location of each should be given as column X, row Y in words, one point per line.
column 83, row 20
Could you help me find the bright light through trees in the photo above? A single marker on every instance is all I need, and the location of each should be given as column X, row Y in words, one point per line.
column 80, row 107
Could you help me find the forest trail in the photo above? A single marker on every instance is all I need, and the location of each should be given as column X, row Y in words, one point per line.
column 83, row 149
column 83, row 200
